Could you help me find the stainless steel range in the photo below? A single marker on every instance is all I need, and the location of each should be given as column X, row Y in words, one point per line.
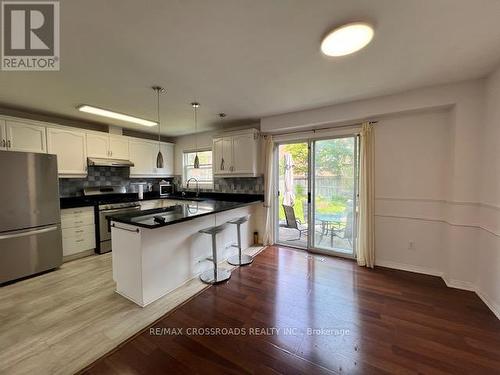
column 115, row 198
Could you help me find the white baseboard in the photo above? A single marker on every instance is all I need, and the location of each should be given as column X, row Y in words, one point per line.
column 488, row 301
column 458, row 284
column 408, row 267
column 451, row 283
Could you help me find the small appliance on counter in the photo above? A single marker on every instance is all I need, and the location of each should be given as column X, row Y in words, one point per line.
column 165, row 188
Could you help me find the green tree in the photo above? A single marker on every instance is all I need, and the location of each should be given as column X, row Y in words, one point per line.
column 335, row 156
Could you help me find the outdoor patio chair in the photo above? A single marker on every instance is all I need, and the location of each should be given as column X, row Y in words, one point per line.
column 293, row 223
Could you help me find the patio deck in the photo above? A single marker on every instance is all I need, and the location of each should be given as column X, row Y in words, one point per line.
column 288, row 236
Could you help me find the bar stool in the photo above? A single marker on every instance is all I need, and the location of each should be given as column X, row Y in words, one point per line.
column 239, row 259
column 216, row 275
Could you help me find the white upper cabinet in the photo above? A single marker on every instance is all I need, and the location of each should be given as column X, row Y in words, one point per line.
column 217, row 155
column 107, row 146
column 142, row 154
column 3, row 135
column 236, row 154
column 167, row 150
column 97, row 145
column 244, row 154
column 118, row 147
column 27, row 137
column 70, row 148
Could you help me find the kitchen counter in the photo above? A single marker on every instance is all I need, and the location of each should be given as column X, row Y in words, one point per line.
column 152, row 259
column 87, row 201
column 178, row 213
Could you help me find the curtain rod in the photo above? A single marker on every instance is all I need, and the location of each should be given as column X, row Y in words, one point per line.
column 328, row 128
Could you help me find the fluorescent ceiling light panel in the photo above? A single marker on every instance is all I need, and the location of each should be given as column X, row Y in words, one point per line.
column 347, row 39
column 115, row 115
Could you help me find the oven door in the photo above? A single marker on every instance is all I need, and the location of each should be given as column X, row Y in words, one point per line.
column 105, row 228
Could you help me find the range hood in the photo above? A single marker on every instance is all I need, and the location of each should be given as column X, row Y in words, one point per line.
column 103, row 162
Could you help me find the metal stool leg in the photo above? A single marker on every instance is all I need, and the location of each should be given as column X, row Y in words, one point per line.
column 239, row 259
column 217, row 275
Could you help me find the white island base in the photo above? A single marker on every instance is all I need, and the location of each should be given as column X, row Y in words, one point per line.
column 149, row 263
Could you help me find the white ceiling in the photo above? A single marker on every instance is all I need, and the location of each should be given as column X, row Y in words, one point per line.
column 250, row 58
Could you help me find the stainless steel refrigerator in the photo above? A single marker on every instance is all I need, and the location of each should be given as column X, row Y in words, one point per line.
column 30, row 220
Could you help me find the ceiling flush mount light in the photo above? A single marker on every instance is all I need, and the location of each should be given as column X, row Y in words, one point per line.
column 159, row 158
column 347, row 39
column 195, row 106
column 115, row 115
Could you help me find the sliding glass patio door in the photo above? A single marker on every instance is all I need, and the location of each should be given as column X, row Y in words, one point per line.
column 292, row 165
column 334, row 187
column 317, row 182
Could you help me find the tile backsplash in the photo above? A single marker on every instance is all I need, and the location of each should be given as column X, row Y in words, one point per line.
column 241, row 185
column 103, row 176
column 119, row 176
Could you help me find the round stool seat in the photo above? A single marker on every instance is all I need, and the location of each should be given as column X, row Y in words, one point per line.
column 215, row 275
column 239, row 220
column 239, row 259
column 213, row 230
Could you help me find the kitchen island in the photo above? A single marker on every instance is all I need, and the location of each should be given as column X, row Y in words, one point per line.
column 151, row 257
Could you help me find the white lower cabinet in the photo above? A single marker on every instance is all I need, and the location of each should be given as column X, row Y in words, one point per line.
column 78, row 230
column 71, row 151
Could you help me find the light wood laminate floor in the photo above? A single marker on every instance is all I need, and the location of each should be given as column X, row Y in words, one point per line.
column 60, row 322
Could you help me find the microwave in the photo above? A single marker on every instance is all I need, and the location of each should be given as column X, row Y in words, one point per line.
column 164, row 188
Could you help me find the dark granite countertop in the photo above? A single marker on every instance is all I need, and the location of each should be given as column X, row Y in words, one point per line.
column 179, row 213
column 88, row 201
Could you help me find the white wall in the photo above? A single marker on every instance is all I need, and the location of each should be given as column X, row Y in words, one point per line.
column 412, row 160
column 488, row 249
column 437, row 178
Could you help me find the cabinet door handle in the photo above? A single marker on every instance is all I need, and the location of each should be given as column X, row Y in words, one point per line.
column 3, row 142
column 222, row 164
column 8, row 143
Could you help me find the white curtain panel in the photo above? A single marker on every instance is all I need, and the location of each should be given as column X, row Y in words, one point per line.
column 268, row 190
column 366, row 222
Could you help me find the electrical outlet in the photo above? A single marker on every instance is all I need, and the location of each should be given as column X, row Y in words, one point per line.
column 411, row 245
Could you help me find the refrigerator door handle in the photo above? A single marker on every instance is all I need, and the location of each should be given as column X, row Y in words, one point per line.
column 27, row 232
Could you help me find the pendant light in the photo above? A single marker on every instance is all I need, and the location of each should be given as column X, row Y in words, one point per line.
column 159, row 158
column 195, row 106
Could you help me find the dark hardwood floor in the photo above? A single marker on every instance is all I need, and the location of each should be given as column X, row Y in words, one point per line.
column 372, row 321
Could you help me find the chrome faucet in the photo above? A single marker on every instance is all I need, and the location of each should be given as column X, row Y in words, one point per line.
column 197, row 185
